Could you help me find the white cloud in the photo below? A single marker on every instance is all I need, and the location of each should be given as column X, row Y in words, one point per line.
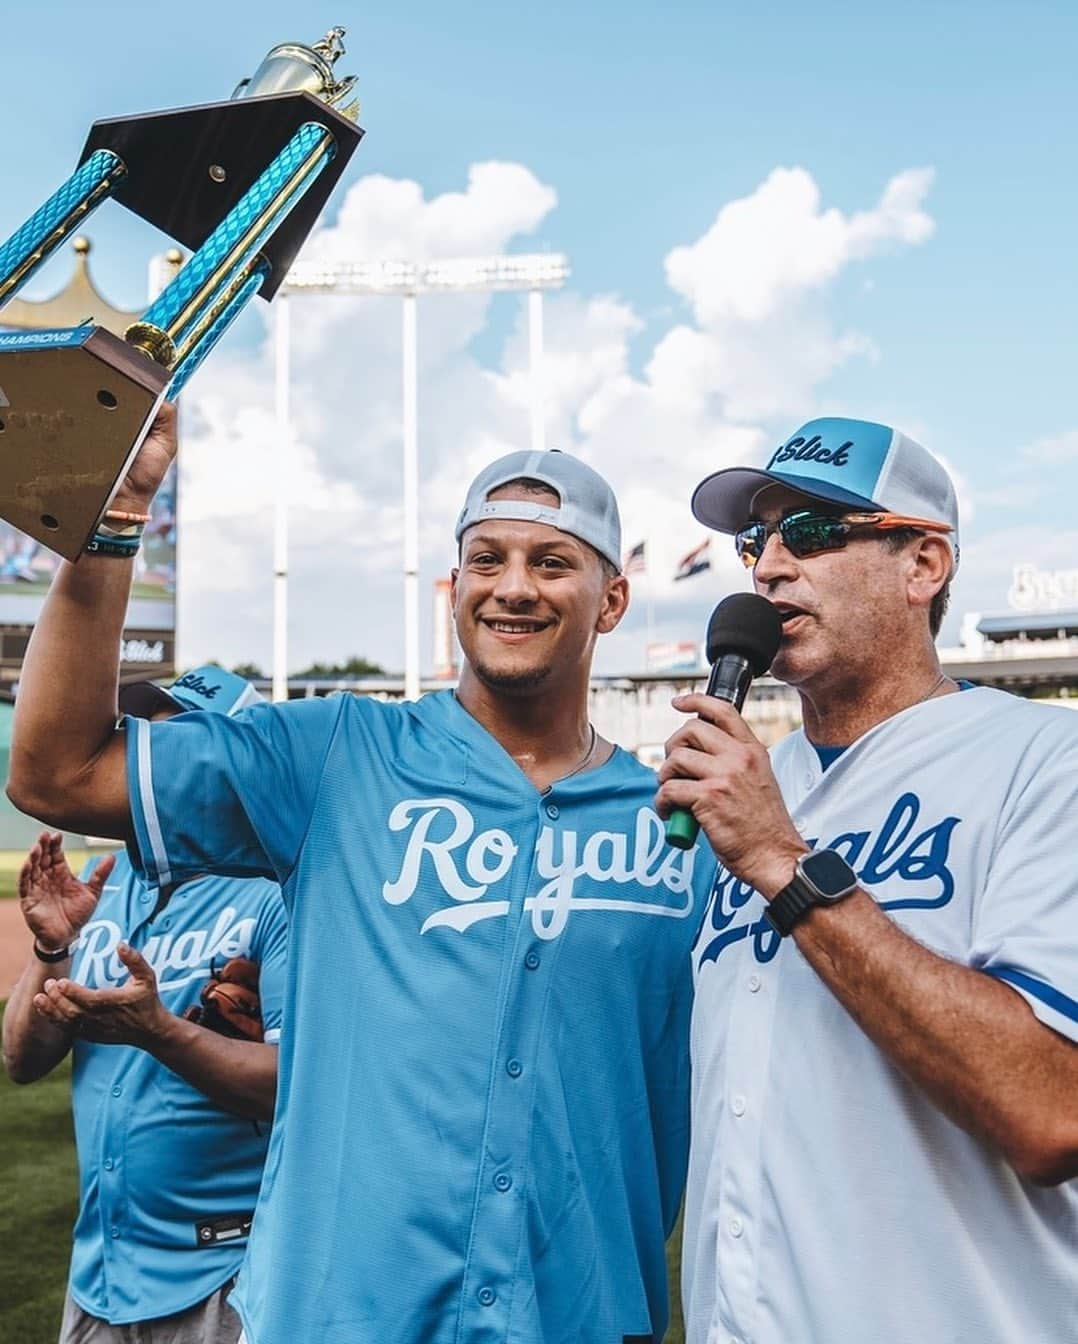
column 388, row 218
column 764, row 340
column 774, row 246
column 710, row 393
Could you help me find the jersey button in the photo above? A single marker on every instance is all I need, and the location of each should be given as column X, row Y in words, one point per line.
column 487, row 1296
column 503, row 1181
column 553, row 811
column 145, row 898
column 754, row 983
column 736, row 1227
column 114, row 1232
column 532, row 961
column 514, row 1068
column 117, row 1090
column 108, row 1164
column 737, row 1105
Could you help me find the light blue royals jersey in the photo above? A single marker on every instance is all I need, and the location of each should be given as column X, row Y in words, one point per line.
column 482, row 1119
column 159, row 1163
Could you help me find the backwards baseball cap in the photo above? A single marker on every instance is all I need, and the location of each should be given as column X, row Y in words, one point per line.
column 586, row 508
column 209, row 688
column 851, row 462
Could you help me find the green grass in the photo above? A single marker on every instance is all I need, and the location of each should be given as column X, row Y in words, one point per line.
column 11, row 862
column 38, row 1195
column 676, row 1332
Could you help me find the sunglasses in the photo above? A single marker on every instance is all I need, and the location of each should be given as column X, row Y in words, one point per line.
column 807, row 533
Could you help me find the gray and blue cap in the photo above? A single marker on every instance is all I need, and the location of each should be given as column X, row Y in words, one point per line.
column 209, row 687
column 856, row 463
column 586, row 508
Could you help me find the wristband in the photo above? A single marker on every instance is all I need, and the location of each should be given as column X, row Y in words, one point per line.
column 51, row 958
column 123, row 530
column 122, row 516
column 122, row 548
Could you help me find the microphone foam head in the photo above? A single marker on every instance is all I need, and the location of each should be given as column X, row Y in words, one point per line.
column 747, row 624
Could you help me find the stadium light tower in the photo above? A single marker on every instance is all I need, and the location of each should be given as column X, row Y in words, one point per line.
column 408, row 279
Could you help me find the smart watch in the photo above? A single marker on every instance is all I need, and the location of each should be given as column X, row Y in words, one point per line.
column 822, row 878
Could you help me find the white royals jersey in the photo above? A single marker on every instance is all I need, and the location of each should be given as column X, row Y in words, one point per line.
column 829, row 1202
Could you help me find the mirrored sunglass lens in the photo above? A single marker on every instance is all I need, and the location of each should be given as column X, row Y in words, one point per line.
column 749, row 542
column 812, row 533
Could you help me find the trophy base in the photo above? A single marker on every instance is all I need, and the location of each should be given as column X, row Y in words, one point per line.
column 74, row 407
column 187, row 168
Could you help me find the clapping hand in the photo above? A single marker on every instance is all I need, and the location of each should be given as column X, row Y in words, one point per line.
column 55, row 904
column 133, row 1014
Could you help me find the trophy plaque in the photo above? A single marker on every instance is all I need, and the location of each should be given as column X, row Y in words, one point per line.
column 241, row 184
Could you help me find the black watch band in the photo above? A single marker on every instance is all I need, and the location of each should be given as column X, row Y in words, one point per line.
column 822, row 877
column 51, row 958
column 790, row 905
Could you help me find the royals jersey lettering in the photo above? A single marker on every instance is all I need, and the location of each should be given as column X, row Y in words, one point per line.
column 482, row 1122
column 828, row 1199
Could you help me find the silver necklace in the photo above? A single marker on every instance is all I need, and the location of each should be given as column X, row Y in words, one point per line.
column 585, row 758
column 580, row 764
column 932, row 689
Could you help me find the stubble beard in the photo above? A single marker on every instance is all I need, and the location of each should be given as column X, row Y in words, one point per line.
column 522, row 679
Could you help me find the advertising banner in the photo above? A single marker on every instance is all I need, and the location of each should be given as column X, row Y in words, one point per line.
column 26, row 570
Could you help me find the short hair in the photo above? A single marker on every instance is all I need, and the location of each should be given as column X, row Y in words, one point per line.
column 531, row 486
column 897, row 540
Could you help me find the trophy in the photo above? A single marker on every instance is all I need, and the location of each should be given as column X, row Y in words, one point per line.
column 241, row 184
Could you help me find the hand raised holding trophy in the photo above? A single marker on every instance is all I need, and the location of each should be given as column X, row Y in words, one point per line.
column 241, row 183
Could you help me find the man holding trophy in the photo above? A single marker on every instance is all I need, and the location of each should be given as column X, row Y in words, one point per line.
column 481, row 1127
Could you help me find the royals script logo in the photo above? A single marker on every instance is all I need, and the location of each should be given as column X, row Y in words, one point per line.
column 176, row 959
column 468, row 863
column 903, row 847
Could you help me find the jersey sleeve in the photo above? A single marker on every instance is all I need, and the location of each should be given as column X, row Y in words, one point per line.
column 1026, row 922
column 270, row 949
column 226, row 795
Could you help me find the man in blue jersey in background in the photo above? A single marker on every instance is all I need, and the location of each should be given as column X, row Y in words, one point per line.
column 172, row 1096
column 482, row 1116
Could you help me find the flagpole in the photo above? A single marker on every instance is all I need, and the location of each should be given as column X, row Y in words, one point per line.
column 635, row 563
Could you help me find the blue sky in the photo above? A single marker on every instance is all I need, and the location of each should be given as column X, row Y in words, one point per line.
column 644, row 122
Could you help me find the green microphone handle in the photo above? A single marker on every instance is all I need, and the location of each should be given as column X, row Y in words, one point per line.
column 730, row 679
column 682, row 829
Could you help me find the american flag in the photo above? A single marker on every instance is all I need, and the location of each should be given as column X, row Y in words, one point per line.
column 695, row 562
column 635, row 561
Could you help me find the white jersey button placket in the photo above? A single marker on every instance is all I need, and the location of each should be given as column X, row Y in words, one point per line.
column 748, row 1044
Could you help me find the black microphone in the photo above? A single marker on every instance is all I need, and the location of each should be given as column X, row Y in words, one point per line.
column 743, row 636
